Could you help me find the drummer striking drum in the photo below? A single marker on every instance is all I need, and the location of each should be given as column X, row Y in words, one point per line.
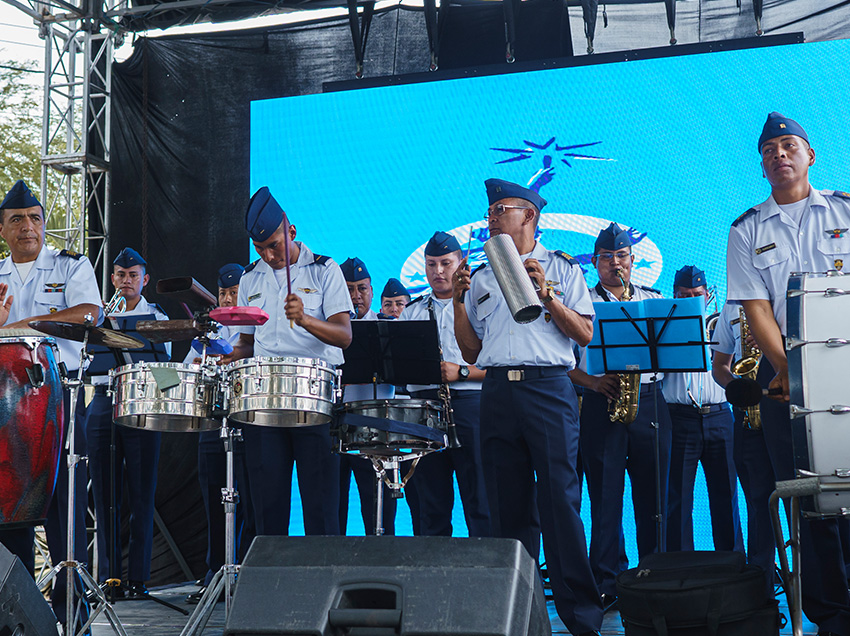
column 313, row 321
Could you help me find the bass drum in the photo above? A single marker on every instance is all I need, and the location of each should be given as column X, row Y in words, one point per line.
column 284, row 391
column 186, row 405
column 32, row 425
column 386, row 437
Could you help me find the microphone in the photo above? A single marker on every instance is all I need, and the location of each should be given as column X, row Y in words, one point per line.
column 745, row 392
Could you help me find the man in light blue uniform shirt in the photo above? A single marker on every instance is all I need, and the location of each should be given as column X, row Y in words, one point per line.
column 40, row 283
column 320, row 310
column 798, row 229
column 136, row 454
column 359, row 284
column 702, row 433
column 212, row 459
column 434, row 476
column 529, row 409
column 610, row 448
column 752, row 462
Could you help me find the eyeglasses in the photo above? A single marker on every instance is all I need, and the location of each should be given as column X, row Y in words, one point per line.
column 609, row 256
column 500, row 208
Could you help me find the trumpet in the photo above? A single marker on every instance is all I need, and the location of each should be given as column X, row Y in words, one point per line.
column 116, row 305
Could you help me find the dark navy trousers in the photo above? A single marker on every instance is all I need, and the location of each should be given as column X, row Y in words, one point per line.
column 271, row 453
column 608, row 450
column 434, row 476
column 137, row 457
column 529, row 444
column 826, row 601
column 756, row 476
column 364, row 476
column 212, row 477
column 707, row 439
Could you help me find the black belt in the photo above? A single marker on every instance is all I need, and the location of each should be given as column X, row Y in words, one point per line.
column 100, row 389
column 649, row 387
column 434, row 394
column 705, row 409
column 518, row 374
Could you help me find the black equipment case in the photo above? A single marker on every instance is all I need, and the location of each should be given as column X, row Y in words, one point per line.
column 697, row 594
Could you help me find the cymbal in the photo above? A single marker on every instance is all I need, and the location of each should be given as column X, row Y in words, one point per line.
column 77, row 332
column 168, row 330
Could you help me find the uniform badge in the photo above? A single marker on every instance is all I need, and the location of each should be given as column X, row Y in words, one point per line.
column 54, row 288
column 53, row 310
column 483, row 298
column 237, row 388
column 839, row 263
column 765, row 248
column 547, row 317
column 837, row 233
column 307, row 290
column 254, row 297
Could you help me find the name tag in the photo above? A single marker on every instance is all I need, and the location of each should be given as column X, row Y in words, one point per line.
column 483, row 298
column 765, row 248
column 254, row 297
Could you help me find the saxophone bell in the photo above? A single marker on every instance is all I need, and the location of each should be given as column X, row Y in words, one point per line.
column 747, row 366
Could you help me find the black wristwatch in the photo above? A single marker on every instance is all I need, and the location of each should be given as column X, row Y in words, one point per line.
column 463, row 372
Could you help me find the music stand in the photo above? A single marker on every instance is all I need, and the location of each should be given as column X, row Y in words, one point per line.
column 656, row 335
column 390, row 352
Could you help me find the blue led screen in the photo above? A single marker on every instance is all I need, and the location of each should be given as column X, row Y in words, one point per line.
column 666, row 147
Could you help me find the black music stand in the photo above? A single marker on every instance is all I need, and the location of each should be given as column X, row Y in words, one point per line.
column 656, row 335
column 390, row 352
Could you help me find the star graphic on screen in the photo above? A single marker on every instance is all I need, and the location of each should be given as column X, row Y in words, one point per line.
column 644, row 264
column 549, row 151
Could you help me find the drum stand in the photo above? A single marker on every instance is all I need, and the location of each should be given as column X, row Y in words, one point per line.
column 225, row 578
column 388, row 471
column 90, row 587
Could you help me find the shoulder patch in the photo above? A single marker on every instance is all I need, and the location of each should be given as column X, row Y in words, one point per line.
column 416, row 300
column 251, row 266
column 649, row 289
column 72, row 254
column 743, row 216
column 318, row 259
column 569, row 258
column 478, row 269
column 839, row 193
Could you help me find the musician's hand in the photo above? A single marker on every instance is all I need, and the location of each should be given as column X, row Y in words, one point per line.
column 751, row 341
column 450, row 371
column 780, row 381
column 294, row 309
column 608, row 385
column 460, row 281
column 536, row 273
column 5, row 303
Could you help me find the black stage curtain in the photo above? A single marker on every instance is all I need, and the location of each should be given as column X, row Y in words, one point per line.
column 180, row 160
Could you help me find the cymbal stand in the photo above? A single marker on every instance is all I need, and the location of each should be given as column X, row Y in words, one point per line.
column 70, row 564
column 223, row 580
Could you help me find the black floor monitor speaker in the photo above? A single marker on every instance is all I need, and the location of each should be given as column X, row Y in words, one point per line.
column 23, row 610
column 354, row 586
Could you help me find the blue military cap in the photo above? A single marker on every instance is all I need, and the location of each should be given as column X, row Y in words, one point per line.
column 19, row 197
column 612, row 238
column 394, row 288
column 264, row 215
column 778, row 125
column 498, row 189
column 441, row 243
column 129, row 257
column 229, row 275
column 354, row 269
column 689, row 276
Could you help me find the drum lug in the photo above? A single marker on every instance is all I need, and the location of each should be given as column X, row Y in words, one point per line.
column 36, row 375
column 258, row 384
column 314, row 386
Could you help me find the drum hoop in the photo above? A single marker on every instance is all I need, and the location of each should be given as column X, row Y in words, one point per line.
column 142, row 366
column 414, row 403
column 270, row 361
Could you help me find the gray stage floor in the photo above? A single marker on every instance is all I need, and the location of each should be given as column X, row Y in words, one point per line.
column 152, row 619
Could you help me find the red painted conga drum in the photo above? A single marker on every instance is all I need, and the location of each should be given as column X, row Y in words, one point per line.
column 31, row 425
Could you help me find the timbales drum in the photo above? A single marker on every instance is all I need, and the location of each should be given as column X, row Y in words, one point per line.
column 165, row 396
column 31, row 425
column 818, row 348
column 395, row 428
column 282, row 391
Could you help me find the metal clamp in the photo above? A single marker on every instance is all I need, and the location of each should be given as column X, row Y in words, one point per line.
column 835, row 409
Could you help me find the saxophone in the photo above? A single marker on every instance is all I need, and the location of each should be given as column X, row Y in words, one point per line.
column 747, row 366
column 625, row 408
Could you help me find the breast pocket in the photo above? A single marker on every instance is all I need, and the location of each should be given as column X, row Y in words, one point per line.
column 837, row 251
column 49, row 302
column 312, row 302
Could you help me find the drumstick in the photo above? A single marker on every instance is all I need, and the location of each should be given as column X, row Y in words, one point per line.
column 468, row 246
column 286, row 256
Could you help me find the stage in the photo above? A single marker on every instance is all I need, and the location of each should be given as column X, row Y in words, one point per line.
column 152, row 619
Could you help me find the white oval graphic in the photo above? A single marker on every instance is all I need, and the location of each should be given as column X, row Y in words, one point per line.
column 572, row 233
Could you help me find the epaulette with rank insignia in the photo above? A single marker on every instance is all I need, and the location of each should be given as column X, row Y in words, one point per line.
column 416, row 300
column 478, row 269
column 839, row 193
column 251, row 266
column 649, row 289
column 72, row 254
column 318, row 259
column 569, row 258
column 743, row 216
